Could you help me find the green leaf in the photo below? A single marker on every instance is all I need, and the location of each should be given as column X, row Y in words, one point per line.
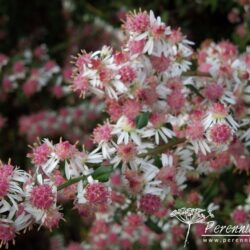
column 142, row 120
column 179, row 203
column 102, row 173
column 240, row 198
column 194, row 89
column 153, row 226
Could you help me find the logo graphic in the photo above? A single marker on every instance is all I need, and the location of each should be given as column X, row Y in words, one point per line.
column 190, row 216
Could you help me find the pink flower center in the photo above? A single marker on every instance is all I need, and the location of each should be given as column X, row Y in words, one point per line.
column 42, row 196
column 150, row 203
column 161, row 63
column 40, row 154
column 105, row 75
column 157, row 119
column 97, row 194
column 7, row 233
column 80, row 83
column 195, row 130
column 220, row 133
column 240, row 216
column 137, row 22
column 136, row 47
column 127, row 151
column 127, row 74
column 102, row 133
column 6, row 172
column 131, row 108
column 53, row 218
column 176, row 101
column 213, row 91
column 135, row 181
column 65, row 150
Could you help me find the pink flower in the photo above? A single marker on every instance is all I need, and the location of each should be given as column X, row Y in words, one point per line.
column 97, row 194
column 195, row 130
column 131, row 108
column 42, row 196
column 137, row 22
column 80, row 84
column 150, row 203
column 30, row 87
column 74, row 246
column 40, row 154
column 18, row 67
column 127, row 74
column 213, row 91
column 7, row 233
column 240, row 216
column 220, row 133
column 176, row 101
column 136, row 47
column 102, row 133
column 160, row 64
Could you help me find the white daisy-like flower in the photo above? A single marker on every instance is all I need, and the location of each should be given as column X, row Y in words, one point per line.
column 218, row 113
column 182, row 157
column 156, row 128
column 41, row 197
column 153, row 45
column 75, row 161
column 125, row 131
column 13, row 224
column 129, row 154
column 102, row 135
column 11, row 181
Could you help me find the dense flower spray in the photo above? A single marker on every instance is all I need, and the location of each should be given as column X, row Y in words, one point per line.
column 167, row 126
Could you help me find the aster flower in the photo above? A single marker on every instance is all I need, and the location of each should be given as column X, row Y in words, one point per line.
column 94, row 193
column 102, row 136
column 220, row 133
column 41, row 198
column 97, row 72
column 141, row 178
column 195, row 133
column 11, row 181
column 75, row 162
column 125, row 131
column 219, row 113
column 156, row 127
column 127, row 154
column 14, row 223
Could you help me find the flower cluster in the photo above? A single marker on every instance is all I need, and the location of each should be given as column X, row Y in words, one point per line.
column 239, row 16
column 167, row 127
column 30, row 72
column 69, row 121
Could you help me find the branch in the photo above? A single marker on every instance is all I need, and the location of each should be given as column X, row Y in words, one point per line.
column 163, row 148
column 71, row 181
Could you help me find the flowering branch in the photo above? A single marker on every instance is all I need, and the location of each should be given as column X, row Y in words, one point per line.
column 151, row 152
column 145, row 87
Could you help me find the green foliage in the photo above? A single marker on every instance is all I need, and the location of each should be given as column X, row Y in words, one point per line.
column 142, row 120
column 102, row 173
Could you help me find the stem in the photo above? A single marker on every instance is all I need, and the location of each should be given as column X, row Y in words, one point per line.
column 189, row 226
column 71, row 181
column 197, row 74
column 152, row 152
column 163, row 148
